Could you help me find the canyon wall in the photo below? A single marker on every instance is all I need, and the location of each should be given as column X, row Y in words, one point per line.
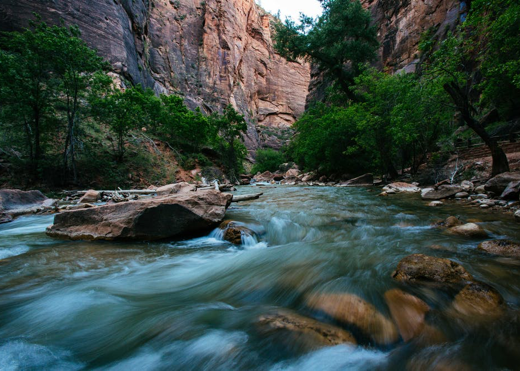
column 213, row 52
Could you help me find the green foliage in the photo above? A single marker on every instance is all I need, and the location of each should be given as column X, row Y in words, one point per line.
column 228, row 128
column 339, row 42
column 399, row 119
column 267, row 160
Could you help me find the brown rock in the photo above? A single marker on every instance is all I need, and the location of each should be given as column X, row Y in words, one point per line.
column 501, row 247
column 512, row 191
column 442, row 192
column 408, row 312
column 401, row 187
column 499, row 183
column 147, row 219
column 12, row 199
column 351, row 309
column 451, row 221
column 176, row 188
column 471, row 230
column 233, row 232
column 90, row 197
column 304, row 330
column 292, row 173
column 477, row 303
column 421, row 268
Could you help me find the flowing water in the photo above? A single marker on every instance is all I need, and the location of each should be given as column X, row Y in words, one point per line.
column 194, row 305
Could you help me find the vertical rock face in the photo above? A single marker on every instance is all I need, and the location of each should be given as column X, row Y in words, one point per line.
column 213, row 52
column 400, row 25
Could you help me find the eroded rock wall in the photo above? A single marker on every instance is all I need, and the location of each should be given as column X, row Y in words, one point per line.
column 213, row 52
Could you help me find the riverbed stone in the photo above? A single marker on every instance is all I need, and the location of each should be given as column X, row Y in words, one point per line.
column 450, row 221
column 470, row 230
column 500, row 182
column 303, row 330
column 501, row 247
column 233, row 231
column 350, row 309
column 512, row 191
column 517, row 215
column 420, row 268
column 192, row 213
column 89, row 197
column 435, row 203
column 461, row 195
column 442, row 192
column 467, row 186
column 408, row 312
column 13, row 199
column 477, row 303
column 401, row 187
column 175, row 188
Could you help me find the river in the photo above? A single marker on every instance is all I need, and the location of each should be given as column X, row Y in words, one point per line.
column 194, row 305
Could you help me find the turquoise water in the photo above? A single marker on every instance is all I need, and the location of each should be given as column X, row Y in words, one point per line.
column 194, row 305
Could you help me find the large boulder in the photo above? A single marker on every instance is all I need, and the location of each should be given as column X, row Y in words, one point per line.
column 501, row 247
column 500, row 182
column 352, row 310
column 292, row 173
column 363, row 180
column 442, row 192
column 304, row 331
column 148, row 219
column 420, row 268
column 470, row 230
column 401, row 187
column 266, row 176
column 512, row 191
column 13, row 199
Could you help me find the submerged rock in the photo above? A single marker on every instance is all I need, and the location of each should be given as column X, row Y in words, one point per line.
column 147, row 219
column 444, row 191
column 409, row 313
column 423, row 268
column 501, row 247
column 469, row 230
column 306, row 331
column 477, row 303
column 351, row 309
column 451, row 221
column 233, row 232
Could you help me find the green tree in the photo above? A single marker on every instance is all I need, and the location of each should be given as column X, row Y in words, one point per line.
column 29, row 86
column 267, row 160
column 77, row 65
column 230, row 127
column 122, row 111
column 339, row 42
column 480, row 68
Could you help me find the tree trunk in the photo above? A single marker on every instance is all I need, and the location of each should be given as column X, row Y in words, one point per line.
column 461, row 100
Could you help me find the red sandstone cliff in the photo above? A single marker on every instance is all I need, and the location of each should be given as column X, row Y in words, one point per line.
column 213, row 52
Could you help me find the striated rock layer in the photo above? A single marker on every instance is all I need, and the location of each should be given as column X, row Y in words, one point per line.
column 213, row 52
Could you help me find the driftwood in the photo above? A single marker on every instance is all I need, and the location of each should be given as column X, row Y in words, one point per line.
column 253, row 196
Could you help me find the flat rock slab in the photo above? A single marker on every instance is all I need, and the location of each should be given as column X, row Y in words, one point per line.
column 444, row 191
column 151, row 219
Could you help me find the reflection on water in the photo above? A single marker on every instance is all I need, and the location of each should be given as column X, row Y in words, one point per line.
column 194, row 304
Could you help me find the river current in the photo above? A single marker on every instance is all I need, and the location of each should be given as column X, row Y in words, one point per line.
column 195, row 304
